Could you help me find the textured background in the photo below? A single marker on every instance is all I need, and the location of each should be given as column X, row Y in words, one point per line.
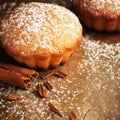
column 92, row 82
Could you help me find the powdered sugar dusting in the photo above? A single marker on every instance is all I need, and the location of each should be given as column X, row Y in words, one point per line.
column 93, row 81
column 40, row 25
column 101, row 65
column 104, row 7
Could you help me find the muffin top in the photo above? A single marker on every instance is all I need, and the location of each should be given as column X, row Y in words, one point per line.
column 107, row 8
column 37, row 27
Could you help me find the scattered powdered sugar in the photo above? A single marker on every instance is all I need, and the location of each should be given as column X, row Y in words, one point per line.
column 101, row 56
column 100, row 68
column 92, row 82
column 40, row 25
column 109, row 1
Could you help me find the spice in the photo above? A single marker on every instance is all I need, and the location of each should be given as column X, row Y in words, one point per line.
column 47, row 74
column 59, row 74
column 16, row 75
column 12, row 97
column 53, row 72
column 48, row 86
column 73, row 116
column 45, row 93
column 25, row 71
column 54, row 109
column 40, row 90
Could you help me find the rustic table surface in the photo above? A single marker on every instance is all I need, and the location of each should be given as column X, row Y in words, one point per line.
column 92, row 86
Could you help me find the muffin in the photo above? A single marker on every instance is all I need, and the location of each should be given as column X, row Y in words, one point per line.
column 101, row 15
column 40, row 35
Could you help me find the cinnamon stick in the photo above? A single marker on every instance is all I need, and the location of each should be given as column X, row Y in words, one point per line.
column 54, row 109
column 59, row 74
column 45, row 93
column 42, row 92
column 12, row 97
column 25, row 71
column 73, row 116
column 48, row 85
column 47, row 74
column 53, row 72
column 14, row 78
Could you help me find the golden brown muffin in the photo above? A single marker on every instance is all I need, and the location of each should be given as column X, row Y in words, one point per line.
column 40, row 34
column 102, row 15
